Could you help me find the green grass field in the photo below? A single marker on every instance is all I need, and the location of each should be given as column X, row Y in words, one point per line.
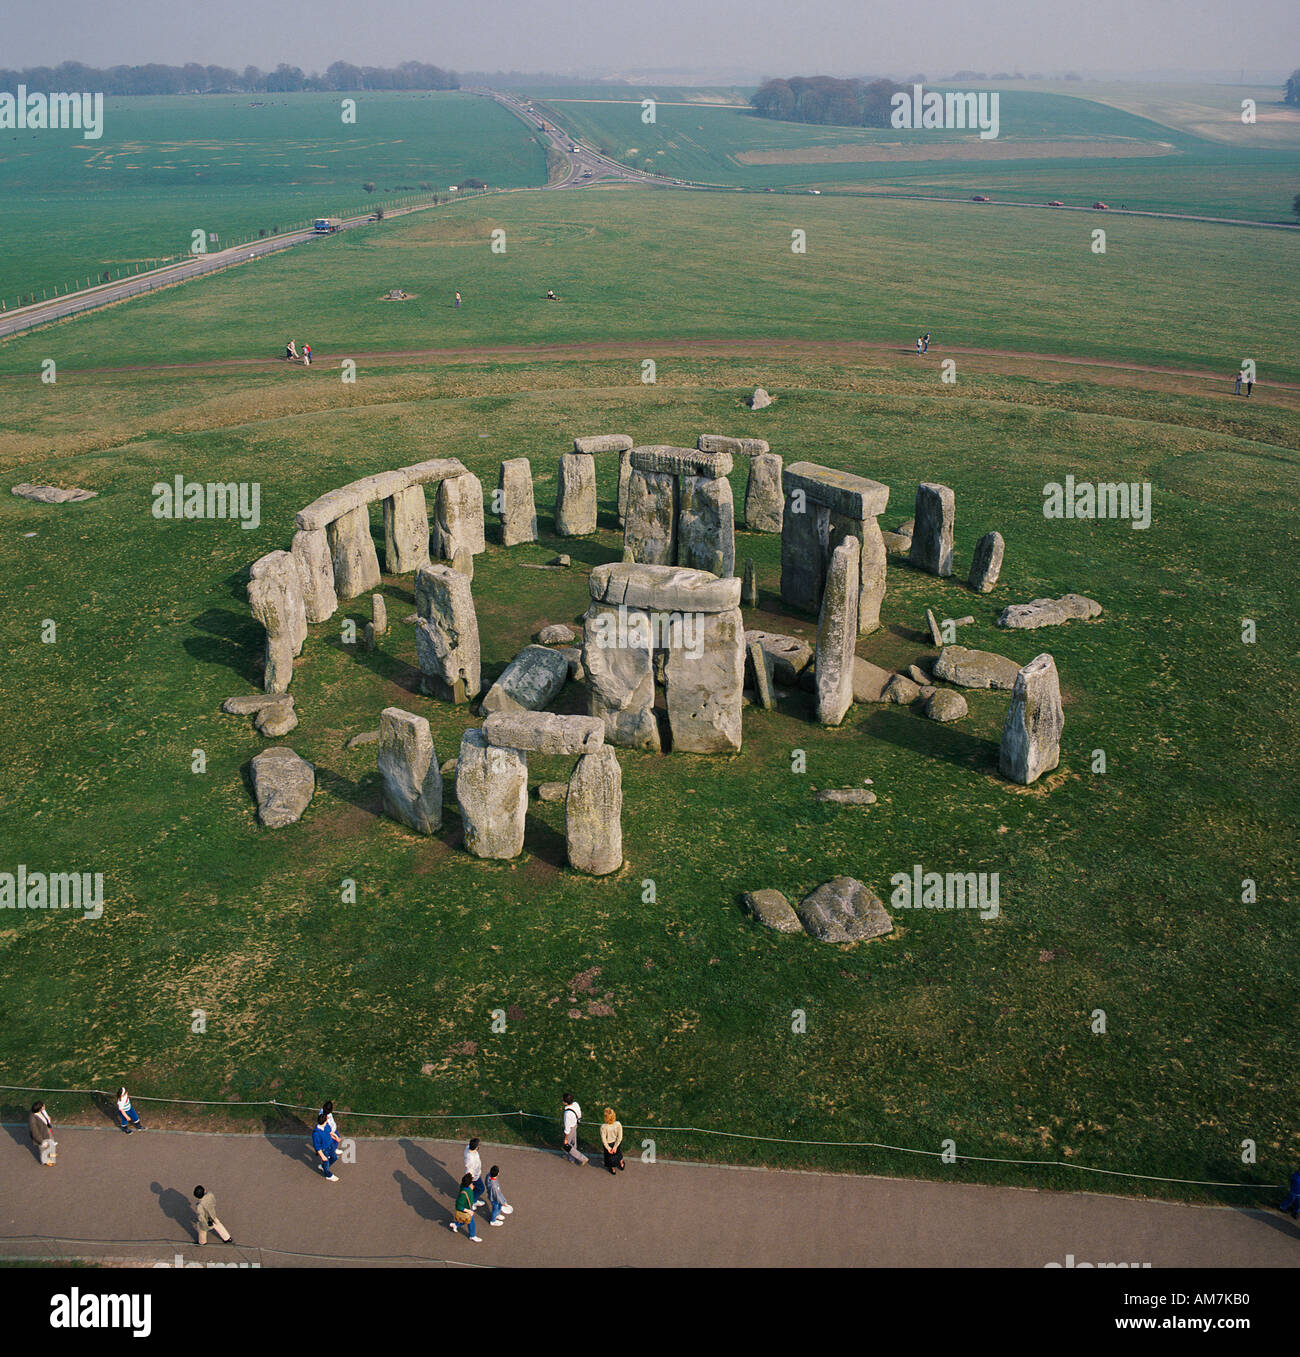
column 642, row 268
column 234, row 165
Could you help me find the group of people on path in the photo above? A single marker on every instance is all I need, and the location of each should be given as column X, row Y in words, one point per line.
column 923, row 344
column 1244, row 375
column 40, row 1126
column 293, row 356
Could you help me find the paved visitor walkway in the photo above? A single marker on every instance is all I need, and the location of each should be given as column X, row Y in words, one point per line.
column 130, row 1198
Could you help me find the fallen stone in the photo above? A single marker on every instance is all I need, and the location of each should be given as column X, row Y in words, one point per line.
column 552, row 791
column 1031, row 734
column 760, row 400
column 844, row 910
column 276, row 720
column 540, row 732
column 1049, row 612
column 773, row 911
column 986, row 565
column 932, row 625
column 917, row 674
column 531, row 681
column 283, row 786
column 901, row 690
column 932, row 538
column 409, row 778
column 870, row 681
column 906, row 529
column 790, row 655
column 945, row 705
column 492, row 791
column 895, row 543
column 928, row 690
column 53, row 494
column 573, row 655
column 248, row 704
column 963, row 621
column 364, row 737
column 557, row 635
column 975, row 668
column 846, row 796
column 562, row 560
column 593, row 814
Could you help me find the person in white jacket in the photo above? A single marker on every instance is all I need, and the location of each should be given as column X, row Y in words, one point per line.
column 572, row 1119
column 474, row 1167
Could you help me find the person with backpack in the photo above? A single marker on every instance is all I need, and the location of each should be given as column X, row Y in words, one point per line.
column 611, row 1141
column 572, row 1116
column 465, row 1209
column 127, row 1117
column 322, row 1141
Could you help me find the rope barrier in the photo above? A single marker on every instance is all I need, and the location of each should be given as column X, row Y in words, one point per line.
column 678, row 1130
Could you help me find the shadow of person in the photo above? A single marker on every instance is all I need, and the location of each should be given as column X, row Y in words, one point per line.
column 419, row 1199
column 292, row 1137
column 433, row 1170
column 176, row 1206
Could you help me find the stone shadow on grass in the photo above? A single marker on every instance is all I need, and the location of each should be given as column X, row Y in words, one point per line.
column 234, row 641
column 908, row 729
column 364, row 794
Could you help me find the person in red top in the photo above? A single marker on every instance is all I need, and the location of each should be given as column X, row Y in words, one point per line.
column 306, row 354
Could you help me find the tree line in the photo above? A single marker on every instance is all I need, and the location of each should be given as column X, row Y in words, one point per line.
column 824, row 99
column 73, row 76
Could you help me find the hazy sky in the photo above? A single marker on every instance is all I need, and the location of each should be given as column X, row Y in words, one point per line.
column 614, row 36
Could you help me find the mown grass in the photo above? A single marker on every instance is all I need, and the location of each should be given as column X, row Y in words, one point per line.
column 1119, row 891
column 720, row 266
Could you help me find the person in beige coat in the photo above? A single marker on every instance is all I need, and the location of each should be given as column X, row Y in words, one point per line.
column 41, row 1129
column 611, row 1140
column 205, row 1213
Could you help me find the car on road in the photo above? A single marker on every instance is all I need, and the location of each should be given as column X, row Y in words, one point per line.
column 817, row 191
column 1101, row 207
column 1056, row 202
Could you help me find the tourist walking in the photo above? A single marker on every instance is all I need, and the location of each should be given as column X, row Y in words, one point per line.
column 327, row 1111
column 474, row 1167
column 205, row 1214
column 572, row 1116
column 458, row 301
column 1291, row 1204
column 291, row 350
column 925, row 338
column 1250, row 383
column 497, row 1198
column 323, row 1142
column 306, row 355
column 919, row 346
column 1241, row 375
column 40, row 1127
column 465, row 1209
column 127, row 1117
column 611, row 1140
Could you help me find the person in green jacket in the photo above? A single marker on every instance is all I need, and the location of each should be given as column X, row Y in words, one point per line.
column 465, row 1209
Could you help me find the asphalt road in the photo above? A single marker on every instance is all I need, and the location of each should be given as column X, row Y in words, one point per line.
column 117, row 1196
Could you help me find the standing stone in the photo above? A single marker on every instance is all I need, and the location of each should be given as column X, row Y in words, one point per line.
column 531, row 681
column 410, row 782
column 310, row 549
column 283, row 785
column 620, row 675
column 352, row 549
column 379, row 613
column 1031, row 734
column 458, row 519
column 764, row 501
column 406, row 531
column 706, row 526
column 492, row 790
column 837, row 634
column 575, row 495
column 759, row 664
column 624, row 476
column 760, row 400
column 651, row 529
column 871, row 577
column 805, row 538
column 987, row 565
column 275, row 597
column 518, row 508
column 593, row 814
column 463, row 563
column 446, row 636
column 704, row 683
column 369, row 637
column 932, row 538
column 749, row 585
